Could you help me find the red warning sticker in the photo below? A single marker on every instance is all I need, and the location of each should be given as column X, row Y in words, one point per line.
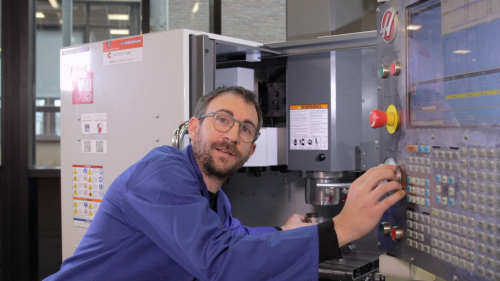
column 82, row 85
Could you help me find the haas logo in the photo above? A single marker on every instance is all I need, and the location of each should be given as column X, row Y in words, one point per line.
column 389, row 25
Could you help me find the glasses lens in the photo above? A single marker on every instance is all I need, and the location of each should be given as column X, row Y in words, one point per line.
column 224, row 122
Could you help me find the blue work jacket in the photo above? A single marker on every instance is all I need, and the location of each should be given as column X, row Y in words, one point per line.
column 155, row 223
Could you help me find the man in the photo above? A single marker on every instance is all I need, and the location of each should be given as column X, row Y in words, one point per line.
column 165, row 218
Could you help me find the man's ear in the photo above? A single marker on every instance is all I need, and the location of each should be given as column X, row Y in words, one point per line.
column 252, row 150
column 193, row 127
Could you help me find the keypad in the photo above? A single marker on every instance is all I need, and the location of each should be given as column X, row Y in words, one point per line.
column 454, row 197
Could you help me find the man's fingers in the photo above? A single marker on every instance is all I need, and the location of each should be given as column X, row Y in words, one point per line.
column 383, row 172
column 384, row 188
column 391, row 200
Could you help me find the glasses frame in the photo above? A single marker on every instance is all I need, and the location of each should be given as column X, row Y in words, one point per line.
column 234, row 122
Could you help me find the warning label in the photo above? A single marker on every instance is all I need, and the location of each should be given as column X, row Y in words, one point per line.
column 88, row 191
column 82, row 85
column 309, row 127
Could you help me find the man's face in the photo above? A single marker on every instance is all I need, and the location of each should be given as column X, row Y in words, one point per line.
column 220, row 154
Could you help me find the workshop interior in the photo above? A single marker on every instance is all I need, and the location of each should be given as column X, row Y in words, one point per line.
column 350, row 85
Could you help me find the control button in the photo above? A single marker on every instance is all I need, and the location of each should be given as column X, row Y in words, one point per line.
column 471, row 221
column 472, row 163
column 438, row 199
column 438, row 178
column 490, row 274
column 455, row 155
column 473, row 196
column 427, row 249
column 481, row 224
column 463, row 173
column 481, row 186
column 427, row 149
column 385, row 228
column 395, row 68
column 481, row 236
column 482, row 164
column 451, row 191
column 490, row 188
column 463, row 194
column 444, row 200
column 408, row 198
column 471, row 232
column 490, row 262
column 481, row 198
column 427, row 183
column 462, row 230
column 383, row 71
column 481, row 209
column 490, row 152
column 481, row 152
column 463, row 151
column 491, row 165
column 408, row 180
column 481, row 248
column 462, row 253
column 481, row 175
column 490, row 211
column 473, row 151
column 451, row 180
column 463, row 205
column 480, row 271
column 490, row 239
column 473, row 208
column 463, row 219
column 409, row 232
column 414, row 235
column 463, row 183
column 470, row 266
column 490, row 251
column 438, row 188
column 397, row 233
column 454, row 250
column 434, row 252
column 455, row 217
column 473, row 174
column 427, row 202
column 473, row 185
column 427, row 193
column 471, row 255
column 454, row 260
column 409, row 242
column 444, row 179
column 463, row 162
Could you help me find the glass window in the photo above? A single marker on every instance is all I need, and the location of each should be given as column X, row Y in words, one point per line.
column 187, row 14
column 92, row 21
column 261, row 21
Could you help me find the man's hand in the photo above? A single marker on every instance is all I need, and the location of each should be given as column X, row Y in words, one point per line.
column 296, row 221
column 363, row 210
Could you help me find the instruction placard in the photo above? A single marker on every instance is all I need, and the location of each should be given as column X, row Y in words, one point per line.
column 309, row 127
column 82, row 85
column 94, row 131
column 88, row 191
column 123, row 50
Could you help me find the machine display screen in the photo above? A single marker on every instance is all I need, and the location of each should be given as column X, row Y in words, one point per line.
column 454, row 63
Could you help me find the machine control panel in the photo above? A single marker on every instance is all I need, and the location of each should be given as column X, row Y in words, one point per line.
column 440, row 74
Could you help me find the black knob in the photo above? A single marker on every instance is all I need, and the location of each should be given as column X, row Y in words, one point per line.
column 322, row 157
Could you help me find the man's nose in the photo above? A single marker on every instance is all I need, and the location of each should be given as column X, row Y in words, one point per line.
column 233, row 135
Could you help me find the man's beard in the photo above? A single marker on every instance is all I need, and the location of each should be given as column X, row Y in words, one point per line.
column 206, row 162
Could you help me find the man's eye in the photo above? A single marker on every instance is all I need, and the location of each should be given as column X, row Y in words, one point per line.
column 222, row 120
column 247, row 130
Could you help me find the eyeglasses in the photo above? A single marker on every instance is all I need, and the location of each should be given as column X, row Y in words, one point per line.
column 223, row 122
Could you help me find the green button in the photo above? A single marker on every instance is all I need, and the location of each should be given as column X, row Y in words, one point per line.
column 383, row 71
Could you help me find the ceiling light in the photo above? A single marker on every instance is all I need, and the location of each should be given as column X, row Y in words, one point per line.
column 119, row 31
column 196, row 7
column 54, row 4
column 413, row 27
column 118, row 17
column 40, row 15
column 461, row 51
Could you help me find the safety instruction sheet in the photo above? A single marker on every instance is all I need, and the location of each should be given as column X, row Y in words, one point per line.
column 309, row 127
column 94, row 132
column 88, row 191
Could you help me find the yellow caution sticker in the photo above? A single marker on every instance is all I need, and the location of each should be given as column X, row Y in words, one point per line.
column 76, row 205
column 75, row 193
column 90, row 186
column 90, row 206
column 90, row 179
column 75, row 185
column 90, row 193
column 309, row 106
column 76, row 211
column 90, row 171
column 90, row 213
column 74, row 178
column 74, row 171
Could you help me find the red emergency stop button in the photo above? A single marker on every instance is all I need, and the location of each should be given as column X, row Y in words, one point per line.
column 378, row 118
column 389, row 118
column 396, row 233
column 395, row 68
